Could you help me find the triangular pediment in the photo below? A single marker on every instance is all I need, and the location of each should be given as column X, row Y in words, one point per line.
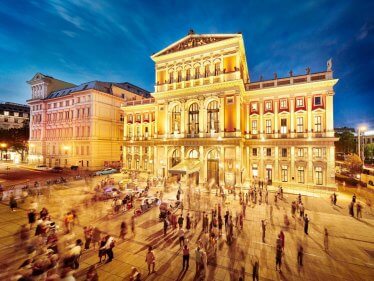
column 38, row 76
column 194, row 40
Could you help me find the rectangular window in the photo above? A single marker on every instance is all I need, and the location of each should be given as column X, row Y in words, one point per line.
column 268, row 151
column 179, row 77
column 299, row 102
column 268, row 126
column 300, row 175
column 89, row 112
column 318, row 152
column 283, row 126
column 206, row 72
column 300, row 124
column 284, row 173
column 217, row 69
column 197, row 72
column 317, row 100
column 283, row 104
column 254, row 107
column 254, row 151
column 254, row 127
column 300, row 152
column 317, row 124
column 268, row 105
column 319, row 176
column 61, row 104
column 284, row 152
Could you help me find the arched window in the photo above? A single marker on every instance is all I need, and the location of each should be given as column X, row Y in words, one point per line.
column 193, row 119
column 206, row 71
column 175, row 158
column 171, row 77
column 212, row 155
column 188, row 74
column 217, row 68
column 194, row 154
column 175, row 119
column 197, row 72
column 179, row 77
column 212, row 120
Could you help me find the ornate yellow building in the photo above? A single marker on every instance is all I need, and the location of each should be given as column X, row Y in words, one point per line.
column 208, row 119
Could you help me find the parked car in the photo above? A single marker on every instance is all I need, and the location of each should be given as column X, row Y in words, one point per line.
column 42, row 167
column 106, row 171
column 57, row 169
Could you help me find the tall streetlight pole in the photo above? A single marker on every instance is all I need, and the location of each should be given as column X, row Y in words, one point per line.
column 360, row 131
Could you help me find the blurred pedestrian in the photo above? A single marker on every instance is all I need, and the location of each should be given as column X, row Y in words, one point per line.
column 300, row 253
column 186, row 257
column 326, row 240
column 263, row 226
column 278, row 258
column 150, row 258
column 306, row 224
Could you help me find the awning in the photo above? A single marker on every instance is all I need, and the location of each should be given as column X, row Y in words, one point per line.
column 186, row 167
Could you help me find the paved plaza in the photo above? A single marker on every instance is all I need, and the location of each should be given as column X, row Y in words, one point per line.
column 350, row 254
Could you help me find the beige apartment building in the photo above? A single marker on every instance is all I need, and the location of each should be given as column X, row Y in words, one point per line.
column 78, row 125
column 206, row 119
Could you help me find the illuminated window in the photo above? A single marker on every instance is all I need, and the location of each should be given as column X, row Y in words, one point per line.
column 254, row 127
column 300, row 152
column 171, row 77
column 268, row 105
column 299, row 102
column 317, row 124
column 194, row 154
column 300, row 124
column 254, row 107
column 213, row 112
column 188, row 74
column 216, row 68
column 206, row 71
column 176, row 158
column 175, row 119
column 283, row 126
column 300, row 175
column 283, row 104
column 179, row 76
column 197, row 72
column 193, row 119
column 268, row 126
column 284, row 173
column 319, row 176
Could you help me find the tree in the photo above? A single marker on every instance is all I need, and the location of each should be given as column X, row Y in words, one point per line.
column 346, row 143
column 16, row 139
column 353, row 163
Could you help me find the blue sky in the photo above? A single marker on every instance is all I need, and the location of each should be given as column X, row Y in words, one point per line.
column 85, row 40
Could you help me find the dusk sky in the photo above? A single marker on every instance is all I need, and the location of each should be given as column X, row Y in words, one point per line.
column 84, row 40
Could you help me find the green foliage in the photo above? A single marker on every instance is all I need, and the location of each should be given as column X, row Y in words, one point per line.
column 353, row 163
column 16, row 139
column 369, row 151
column 346, row 143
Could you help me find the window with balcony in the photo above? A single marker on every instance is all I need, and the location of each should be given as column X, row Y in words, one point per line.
column 213, row 112
column 176, row 119
column 268, row 126
column 283, row 126
column 193, row 119
column 254, row 127
column 300, row 124
column 318, row 176
column 317, row 124
column 300, row 175
column 284, row 152
column 284, row 173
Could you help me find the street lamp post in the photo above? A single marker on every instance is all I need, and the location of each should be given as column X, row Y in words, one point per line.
column 360, row 151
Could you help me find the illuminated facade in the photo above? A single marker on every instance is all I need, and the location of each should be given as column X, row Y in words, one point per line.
column 77, row 125
column 206, row 118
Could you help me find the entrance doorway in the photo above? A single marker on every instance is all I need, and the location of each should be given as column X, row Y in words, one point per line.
column 213, row 166
column 269, row 175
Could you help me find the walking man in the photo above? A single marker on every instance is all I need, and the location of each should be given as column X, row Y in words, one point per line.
column 326, row 240
column 150, row 259
column 300, row 253
column 263, row 225
column 306, row 224
column 255, row 270
column 186, row 257
column 198, row 259
column 181, row 237
column 278, row 258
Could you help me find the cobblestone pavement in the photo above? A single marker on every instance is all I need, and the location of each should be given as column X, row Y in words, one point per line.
column 350, row 254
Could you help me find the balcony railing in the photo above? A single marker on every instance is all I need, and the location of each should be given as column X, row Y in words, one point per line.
column 312, row 77
column 138, row 102
column 211, row 79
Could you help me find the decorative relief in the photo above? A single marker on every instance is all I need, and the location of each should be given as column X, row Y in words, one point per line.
column 192, row 42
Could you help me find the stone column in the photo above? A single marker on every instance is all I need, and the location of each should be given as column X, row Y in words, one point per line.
column 202, row 165
column 221, row 115
column 309, row 110
column 237, row 105
column 292, row 117
column 221, row 165
column 276, row 123
column 292, row 155
column 309, row 175
column 261, row 125
column 329, row 115
column 183, row 112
